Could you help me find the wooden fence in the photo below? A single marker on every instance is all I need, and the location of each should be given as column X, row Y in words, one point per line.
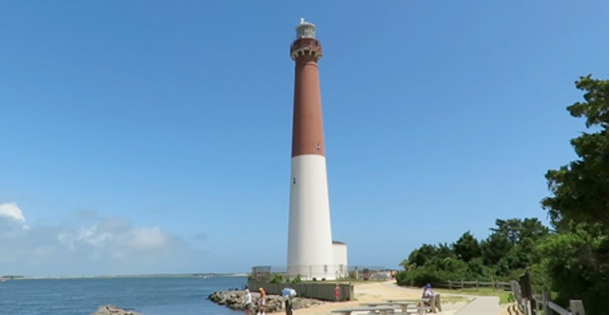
column 496, row 285
column 542, row 304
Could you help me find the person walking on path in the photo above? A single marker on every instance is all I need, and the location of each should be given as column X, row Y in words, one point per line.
column 262, row 302
column 248, row 302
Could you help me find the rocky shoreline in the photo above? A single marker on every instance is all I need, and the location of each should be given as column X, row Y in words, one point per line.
column 113, row 310
column 275, row 303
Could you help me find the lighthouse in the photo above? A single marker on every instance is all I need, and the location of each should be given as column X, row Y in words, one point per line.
column 310, row 244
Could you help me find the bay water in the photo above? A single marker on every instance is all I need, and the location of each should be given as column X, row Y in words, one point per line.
column 148, row 295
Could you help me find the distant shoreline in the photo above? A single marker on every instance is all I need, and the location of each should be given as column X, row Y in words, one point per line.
column 179, row 275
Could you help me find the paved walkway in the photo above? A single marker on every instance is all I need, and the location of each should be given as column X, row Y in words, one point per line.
column 482, row 305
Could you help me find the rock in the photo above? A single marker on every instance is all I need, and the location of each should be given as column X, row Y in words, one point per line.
column 113, row 310
column 275, row 303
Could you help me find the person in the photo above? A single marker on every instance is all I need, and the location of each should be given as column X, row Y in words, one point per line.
column 262, row 302
column 427, row 295
column 337, row 292
column 248, row 301
column 288, row 293
column 289, row 305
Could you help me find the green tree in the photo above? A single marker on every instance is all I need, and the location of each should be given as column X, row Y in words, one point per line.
column 426, row 252
column 467, row 247
column 580, row 189
column 495, row 248
column 511, row 246
column 478, row 271
column 445, row 251
column 576, row 258
column 510, row 229
column 503, row 255
column 419, row 256
column 533, row 229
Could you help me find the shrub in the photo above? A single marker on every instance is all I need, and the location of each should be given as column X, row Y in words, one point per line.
column 276, row 278
column 296, row 279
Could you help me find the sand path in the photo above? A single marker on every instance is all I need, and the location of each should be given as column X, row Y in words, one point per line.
column 376, row 292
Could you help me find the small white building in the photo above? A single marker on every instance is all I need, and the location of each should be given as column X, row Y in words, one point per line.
column 340, row 259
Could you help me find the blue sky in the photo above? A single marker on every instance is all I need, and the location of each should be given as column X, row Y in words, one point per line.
column 154, row 136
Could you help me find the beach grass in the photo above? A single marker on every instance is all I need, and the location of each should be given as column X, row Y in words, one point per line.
column 454, row 299
column 505, row 296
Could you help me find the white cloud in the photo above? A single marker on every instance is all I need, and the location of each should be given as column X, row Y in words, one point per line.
column 148, row 238
column 101, row 246
column 11, row 211
column 12, row 220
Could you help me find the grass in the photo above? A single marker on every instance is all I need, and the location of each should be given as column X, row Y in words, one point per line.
column 454, row 299
column 505, row 296
column 343, row 281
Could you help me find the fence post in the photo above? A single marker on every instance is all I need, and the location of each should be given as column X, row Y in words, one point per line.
column 477, row 285
column 449, row 284
column 576, row 307
column 461, row 285
column 546, row 297
column 526, row 288
column 528, row 308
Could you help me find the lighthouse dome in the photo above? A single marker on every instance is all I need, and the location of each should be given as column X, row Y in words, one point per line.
column 306, row 29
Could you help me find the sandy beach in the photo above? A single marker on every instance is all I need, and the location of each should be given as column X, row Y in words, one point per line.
column 376, row 292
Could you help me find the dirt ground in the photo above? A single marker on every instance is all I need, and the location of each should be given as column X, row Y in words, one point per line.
column 376, row 292
column 509, row 309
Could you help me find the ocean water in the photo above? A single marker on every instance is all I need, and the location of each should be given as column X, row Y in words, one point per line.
column 150, row 296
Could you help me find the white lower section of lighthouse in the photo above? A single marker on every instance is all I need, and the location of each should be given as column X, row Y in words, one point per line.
column 310, row 247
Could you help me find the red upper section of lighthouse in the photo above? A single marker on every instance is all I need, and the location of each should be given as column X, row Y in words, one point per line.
column 307, row 129
column 306, row 42
column 305, row 46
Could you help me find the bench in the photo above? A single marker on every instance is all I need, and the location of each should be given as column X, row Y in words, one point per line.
column 383, row 310
column 402, row 305
column 403, row 301
column 435, row 305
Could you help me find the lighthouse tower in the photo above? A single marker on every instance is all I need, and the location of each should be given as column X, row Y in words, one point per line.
column 310, row 245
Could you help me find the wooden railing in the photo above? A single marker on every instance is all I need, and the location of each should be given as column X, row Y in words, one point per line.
column 542, row 304
column 496, row 285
